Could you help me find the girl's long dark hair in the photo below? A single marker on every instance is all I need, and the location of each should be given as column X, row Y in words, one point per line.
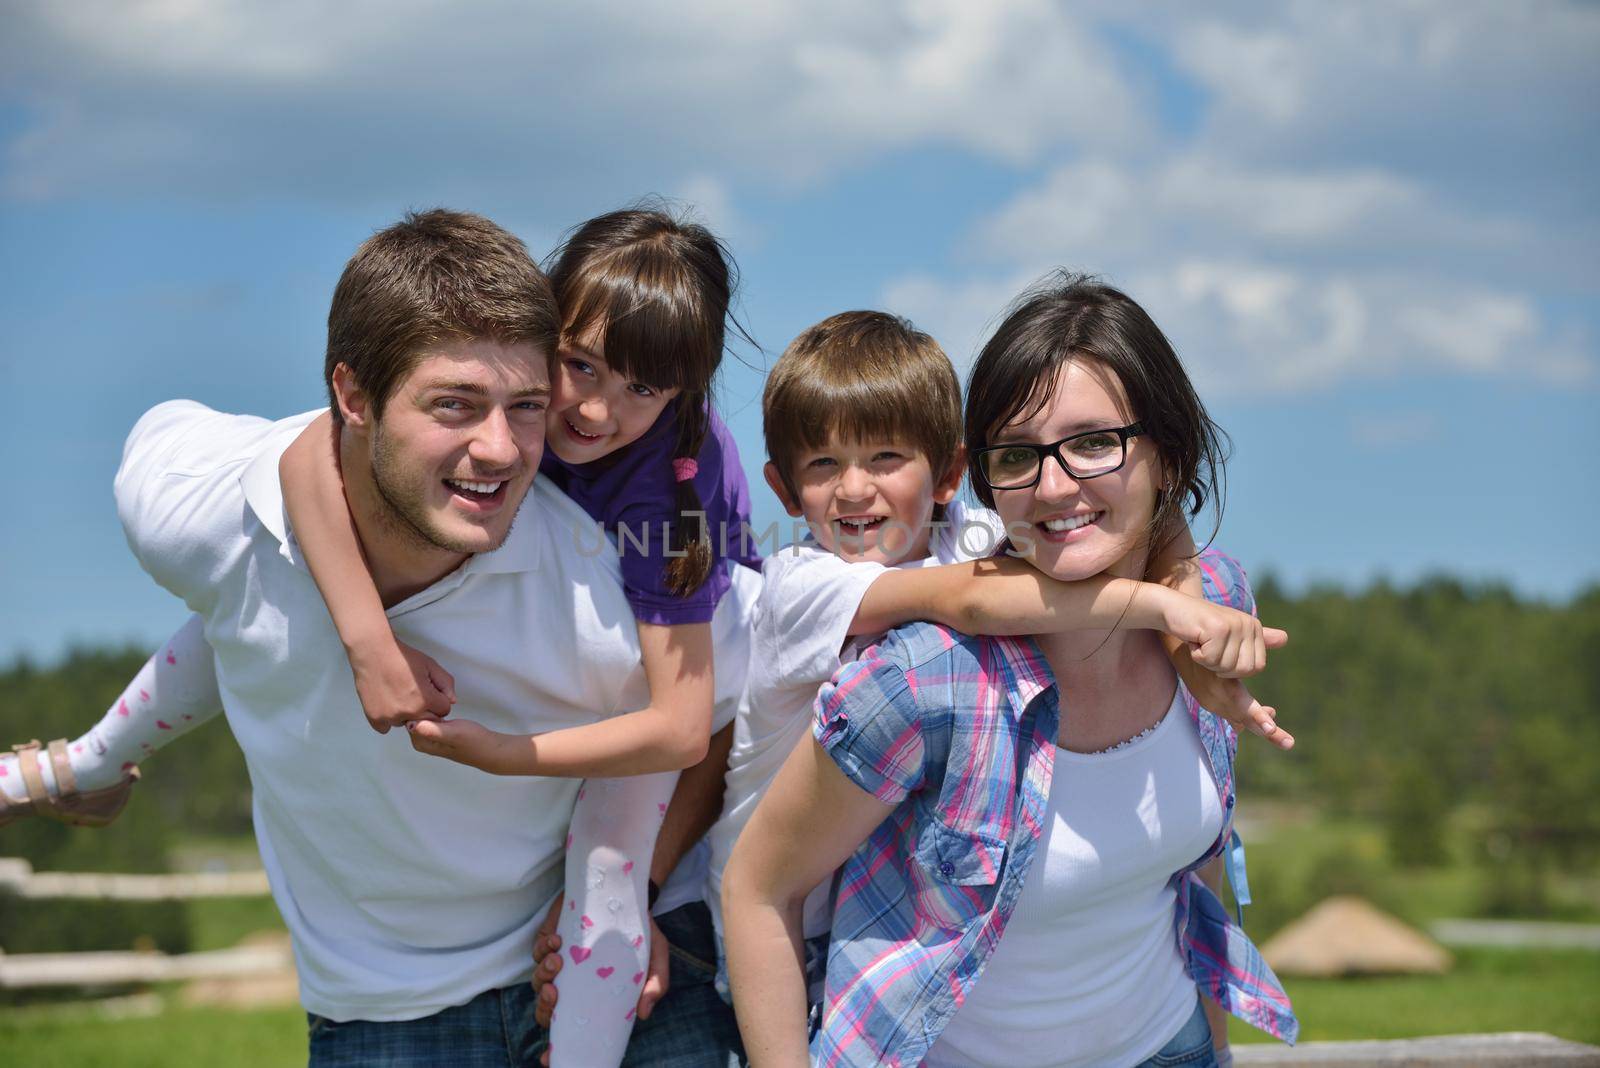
column 657, row 288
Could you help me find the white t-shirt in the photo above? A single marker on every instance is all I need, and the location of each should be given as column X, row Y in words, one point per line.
column 809, row 597
column 408, row 883
column 1088, row 970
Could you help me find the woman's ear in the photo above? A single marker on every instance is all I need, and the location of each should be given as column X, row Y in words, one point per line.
column 944, row 489
column 780, row 489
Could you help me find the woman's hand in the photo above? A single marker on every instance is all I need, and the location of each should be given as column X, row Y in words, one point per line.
column 399, row 685
column 1230, row 643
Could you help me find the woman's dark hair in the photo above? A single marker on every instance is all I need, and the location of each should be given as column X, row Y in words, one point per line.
column 1070, row 317
column 657, row 289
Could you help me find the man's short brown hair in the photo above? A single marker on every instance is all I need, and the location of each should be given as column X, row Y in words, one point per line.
column 858, row 376
column 432, row 277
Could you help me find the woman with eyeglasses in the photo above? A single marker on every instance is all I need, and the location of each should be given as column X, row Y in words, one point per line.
column 1031, row 829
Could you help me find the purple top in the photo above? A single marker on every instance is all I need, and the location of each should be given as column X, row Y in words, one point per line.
column 631, row 493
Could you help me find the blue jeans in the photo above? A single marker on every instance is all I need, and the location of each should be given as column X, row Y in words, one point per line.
column 690, row 1028
column 1190, row 1047
column 496, row 1029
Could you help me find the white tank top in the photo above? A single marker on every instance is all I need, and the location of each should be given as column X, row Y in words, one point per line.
column 1088, row 970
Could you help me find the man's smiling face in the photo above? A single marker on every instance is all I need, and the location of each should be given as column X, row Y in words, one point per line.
column 459, row 442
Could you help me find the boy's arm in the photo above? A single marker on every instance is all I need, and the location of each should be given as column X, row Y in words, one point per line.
column 1176, row 567
column 669, row 735
column 396, row 684
column 1008, row 596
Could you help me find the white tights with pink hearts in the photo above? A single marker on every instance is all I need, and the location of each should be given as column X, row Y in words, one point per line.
column 172, row 694
column 604, row 927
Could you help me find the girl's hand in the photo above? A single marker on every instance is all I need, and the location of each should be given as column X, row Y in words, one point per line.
column 1229, row 698
column 398, row 685
column 1227, row 642
column 474, row 745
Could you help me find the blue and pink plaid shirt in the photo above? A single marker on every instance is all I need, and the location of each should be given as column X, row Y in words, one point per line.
column 960, row 733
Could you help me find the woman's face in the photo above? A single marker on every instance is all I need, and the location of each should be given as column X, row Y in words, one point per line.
column 1070, row 528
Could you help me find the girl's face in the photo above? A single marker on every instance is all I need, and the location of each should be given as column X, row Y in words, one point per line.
column 1073, row 528
column 594, row 412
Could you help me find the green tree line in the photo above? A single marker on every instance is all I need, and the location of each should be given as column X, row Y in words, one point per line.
column 1422, row 708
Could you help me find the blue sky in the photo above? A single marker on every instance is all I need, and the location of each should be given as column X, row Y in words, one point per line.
column 1371, row 229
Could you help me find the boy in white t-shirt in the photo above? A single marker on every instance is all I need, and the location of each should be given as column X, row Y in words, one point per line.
column 862, row 417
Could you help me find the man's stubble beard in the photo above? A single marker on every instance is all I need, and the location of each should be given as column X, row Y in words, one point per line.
column 405, row 512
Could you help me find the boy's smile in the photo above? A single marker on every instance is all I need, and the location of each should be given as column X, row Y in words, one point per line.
column 870, row 500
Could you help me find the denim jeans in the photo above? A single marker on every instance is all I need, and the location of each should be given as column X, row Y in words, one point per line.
column 496, row 1029
column 692, row 1027
column 1190, row 1047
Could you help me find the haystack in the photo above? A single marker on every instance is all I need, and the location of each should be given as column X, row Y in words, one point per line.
column 1348, row 936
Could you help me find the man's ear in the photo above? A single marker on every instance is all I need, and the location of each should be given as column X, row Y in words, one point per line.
column 780, row 490
column 355, row 408
column 944, row 490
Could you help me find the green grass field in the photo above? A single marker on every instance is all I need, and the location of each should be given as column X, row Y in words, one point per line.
column 1488, row 990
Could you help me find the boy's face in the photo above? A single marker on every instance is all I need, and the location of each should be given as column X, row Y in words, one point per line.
column 867, row 500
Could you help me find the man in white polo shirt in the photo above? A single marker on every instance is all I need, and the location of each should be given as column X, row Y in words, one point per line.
column 411, row 885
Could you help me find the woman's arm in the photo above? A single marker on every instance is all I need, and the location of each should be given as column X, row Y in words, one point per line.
column 1219, row 692
column 670, row 734
column 810, row 821
column 396, row 684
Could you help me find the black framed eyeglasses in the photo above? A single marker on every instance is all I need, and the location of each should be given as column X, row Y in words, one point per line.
column 1087, row 455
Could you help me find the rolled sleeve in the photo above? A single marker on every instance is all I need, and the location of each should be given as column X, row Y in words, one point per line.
column 1225, row 581
column 179, row 498
column 869, row 724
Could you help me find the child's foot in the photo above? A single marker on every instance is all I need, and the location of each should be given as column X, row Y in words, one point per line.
column 39, row 781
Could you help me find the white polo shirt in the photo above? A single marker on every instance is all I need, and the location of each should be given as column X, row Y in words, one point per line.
column 408, row 883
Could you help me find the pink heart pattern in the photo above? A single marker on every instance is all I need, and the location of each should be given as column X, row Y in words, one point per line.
column 122, row 707
column 585, row 922
column 579, row 954
column 638, row 940
column 637, row 976
column 626, row 868
column 170, row 658
column 163, row 725
column 628, row 1015
column 604, row 973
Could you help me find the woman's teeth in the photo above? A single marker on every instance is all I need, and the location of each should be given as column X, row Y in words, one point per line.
column 1061, row 526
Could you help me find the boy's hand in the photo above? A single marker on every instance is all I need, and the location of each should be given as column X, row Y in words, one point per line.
column 472, row 744
column 1230, row 643
column 1228, row 698
column 547, row 965
column 398, row 684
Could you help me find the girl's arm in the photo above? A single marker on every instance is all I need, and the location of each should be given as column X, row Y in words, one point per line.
column 810, row 821
column 670, row 734
column 396, row 683
column 1008, row 596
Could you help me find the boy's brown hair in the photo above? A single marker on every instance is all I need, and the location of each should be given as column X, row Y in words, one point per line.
column 431, row 277
column 856, row 376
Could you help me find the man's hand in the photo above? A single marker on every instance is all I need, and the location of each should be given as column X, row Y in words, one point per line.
column 398, row 685
column 474, row 745
column 547, row 965
column 1230, row 643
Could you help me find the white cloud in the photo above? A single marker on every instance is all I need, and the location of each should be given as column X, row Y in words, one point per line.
column 138, row 95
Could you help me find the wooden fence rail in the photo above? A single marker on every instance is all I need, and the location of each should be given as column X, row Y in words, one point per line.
column 18, row 877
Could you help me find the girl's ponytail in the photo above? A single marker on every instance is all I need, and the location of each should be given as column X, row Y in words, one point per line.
column 690, row 556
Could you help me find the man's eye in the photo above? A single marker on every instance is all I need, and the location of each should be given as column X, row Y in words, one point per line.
column 451, row 404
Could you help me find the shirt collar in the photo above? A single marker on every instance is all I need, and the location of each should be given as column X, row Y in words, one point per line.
column 263, row 491
column 1029, row 670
